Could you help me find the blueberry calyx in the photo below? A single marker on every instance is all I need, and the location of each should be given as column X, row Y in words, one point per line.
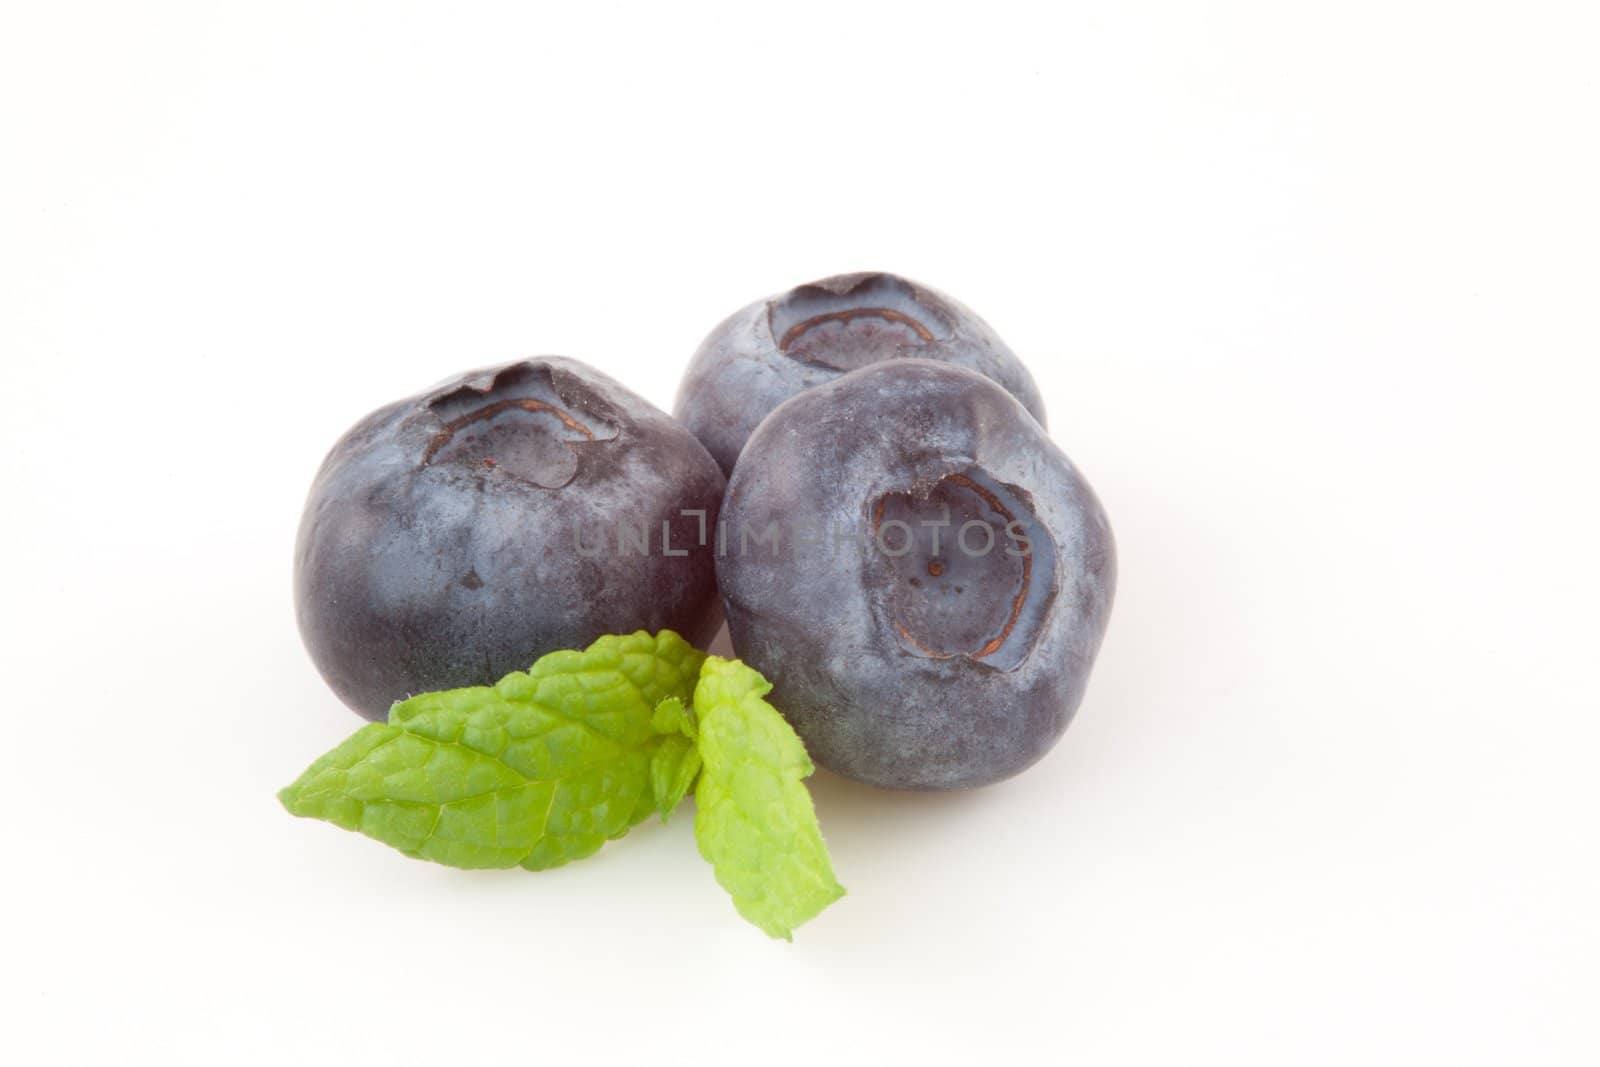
column 847, row 322
column 974, row 572
column 519, row 423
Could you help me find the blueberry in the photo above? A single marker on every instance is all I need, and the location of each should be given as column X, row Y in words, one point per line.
column 775, row 348
column 456, row 536
column 921, row 573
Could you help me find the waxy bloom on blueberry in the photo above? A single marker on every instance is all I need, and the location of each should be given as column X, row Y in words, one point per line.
column 942, row 634
column 457, row 536
column 773, row 349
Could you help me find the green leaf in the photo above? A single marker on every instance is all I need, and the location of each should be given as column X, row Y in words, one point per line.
column 672, row 717
column 672, row 773
column 755, row 823
column 677, row 761
column 541, row 768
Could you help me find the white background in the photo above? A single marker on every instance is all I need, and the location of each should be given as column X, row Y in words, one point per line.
column 1310, row 291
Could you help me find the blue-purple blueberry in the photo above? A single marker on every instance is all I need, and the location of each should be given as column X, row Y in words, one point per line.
column 458, row 535
column 775, row 348
column 923, row 576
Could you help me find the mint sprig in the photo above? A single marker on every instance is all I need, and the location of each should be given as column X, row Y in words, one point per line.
column 756, row 825
column 541, row 768
column 546, row 765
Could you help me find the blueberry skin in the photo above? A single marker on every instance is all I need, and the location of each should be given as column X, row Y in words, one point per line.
column 778, row 347
column 936, row 669
column 440, row 541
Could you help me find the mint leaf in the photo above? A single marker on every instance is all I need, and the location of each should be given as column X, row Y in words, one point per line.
column 677, row 761
column 545, row 766
column 672, row 717
column 755, row 823
column 541, row 768
column 672, row 772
